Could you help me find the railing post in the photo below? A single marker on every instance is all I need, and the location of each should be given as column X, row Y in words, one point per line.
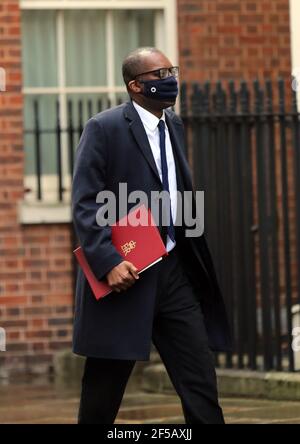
column 263, row 228
column 38, row 159
column 286, row 222
column 247, row 233
column 58, row 153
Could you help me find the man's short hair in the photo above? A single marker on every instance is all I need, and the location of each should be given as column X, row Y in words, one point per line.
column 132, row 64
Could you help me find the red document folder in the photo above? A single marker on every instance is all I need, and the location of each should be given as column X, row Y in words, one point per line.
column 141, row 245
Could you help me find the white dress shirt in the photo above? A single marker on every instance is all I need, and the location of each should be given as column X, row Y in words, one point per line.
column 150, row 122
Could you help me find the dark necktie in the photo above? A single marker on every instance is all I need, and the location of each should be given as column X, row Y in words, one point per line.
column 164, row 170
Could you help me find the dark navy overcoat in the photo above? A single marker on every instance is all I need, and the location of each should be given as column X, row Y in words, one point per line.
column 114, row 149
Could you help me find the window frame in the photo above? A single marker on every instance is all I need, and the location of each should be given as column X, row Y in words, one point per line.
column 165, row 25
column 165, row 19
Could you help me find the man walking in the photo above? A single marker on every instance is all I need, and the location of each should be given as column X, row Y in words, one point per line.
column 177, row 302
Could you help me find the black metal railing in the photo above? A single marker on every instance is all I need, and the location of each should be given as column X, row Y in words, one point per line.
column 66, row 139
column 245, row 151
column 244, row 148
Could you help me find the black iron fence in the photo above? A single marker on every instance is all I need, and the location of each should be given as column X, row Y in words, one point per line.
column 65, row 143
column 245, row 153
column 244, row 149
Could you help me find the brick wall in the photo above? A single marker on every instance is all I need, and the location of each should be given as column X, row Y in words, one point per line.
column 224, row 39
column 35, row 261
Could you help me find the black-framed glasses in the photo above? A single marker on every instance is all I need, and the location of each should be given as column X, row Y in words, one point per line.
column 162, row 73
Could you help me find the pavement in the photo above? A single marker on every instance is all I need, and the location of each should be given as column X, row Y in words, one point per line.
column 44, row 402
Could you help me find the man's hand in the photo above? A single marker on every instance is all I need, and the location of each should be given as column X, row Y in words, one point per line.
column 122, row 277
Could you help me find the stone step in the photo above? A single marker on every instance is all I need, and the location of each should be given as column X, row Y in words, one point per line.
column 236, row 383
column 68, row 368
column 155, row 379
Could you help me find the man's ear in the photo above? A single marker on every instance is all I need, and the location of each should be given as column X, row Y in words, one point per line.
column 134, row 86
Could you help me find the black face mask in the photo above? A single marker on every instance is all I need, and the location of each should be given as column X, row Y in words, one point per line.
column 164, row 90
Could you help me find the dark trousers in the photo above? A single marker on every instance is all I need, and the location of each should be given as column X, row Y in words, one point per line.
column 180, row 338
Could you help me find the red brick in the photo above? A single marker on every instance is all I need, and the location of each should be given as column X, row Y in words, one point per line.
column 229, row 30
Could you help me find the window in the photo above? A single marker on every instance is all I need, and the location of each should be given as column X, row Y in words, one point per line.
column 72, row 55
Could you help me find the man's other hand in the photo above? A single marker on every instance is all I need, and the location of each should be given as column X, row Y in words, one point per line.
column 122, row 277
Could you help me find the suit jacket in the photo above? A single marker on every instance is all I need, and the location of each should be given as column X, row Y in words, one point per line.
column 114, row 148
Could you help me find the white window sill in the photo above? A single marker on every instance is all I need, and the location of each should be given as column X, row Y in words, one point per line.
column 44, row 213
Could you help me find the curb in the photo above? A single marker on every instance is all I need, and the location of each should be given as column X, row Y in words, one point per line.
column 234, row 383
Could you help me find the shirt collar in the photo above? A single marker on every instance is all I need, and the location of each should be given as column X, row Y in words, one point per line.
column 148, row 119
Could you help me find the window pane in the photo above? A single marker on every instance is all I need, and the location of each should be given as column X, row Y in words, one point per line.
column 39, row 48
column 85, row 48
column 47, row 122
column 84, row 106
column 122, row 98
column 132, row 30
